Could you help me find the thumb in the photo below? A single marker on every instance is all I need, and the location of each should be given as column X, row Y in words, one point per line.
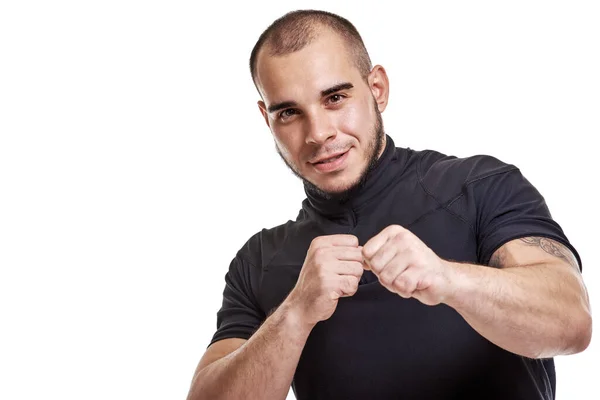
column 365, row 263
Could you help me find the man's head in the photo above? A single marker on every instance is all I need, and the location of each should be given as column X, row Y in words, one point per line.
column 321, row 98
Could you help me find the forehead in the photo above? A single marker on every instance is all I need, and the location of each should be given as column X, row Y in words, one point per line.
column 304, row 73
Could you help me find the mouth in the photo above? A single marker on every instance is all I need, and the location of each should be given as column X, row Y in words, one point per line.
column 331, row 163
column 330, row 159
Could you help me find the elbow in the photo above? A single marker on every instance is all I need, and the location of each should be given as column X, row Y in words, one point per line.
column 581, row 332
column 584, row 333
column 573, row 339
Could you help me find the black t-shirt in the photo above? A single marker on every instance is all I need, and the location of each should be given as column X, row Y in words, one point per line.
column 378, row 345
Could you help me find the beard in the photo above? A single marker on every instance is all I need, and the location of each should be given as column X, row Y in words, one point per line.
column 373, row 149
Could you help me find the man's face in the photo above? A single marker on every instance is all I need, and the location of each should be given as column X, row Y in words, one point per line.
column 324, row 117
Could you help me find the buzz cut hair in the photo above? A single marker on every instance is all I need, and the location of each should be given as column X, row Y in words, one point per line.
column 297, row 29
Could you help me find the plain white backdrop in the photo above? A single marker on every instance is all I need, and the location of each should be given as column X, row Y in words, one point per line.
column 134, row 163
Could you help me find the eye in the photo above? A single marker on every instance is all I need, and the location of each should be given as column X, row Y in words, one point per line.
column 288, row 113
column 335, row 98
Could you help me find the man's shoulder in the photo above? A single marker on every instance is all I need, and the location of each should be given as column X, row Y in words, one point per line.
column 445, row 176
column 435, row 167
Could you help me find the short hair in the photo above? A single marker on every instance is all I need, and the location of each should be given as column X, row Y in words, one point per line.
column 296, row 29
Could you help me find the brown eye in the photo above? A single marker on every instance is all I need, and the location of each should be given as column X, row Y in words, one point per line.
column 336, row 98
column 287, row 113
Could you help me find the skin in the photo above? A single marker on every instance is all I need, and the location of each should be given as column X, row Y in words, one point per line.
column 313, row 125
column 534, row 303
column 321, row 123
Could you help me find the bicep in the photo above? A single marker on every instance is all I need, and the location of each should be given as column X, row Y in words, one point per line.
column 533, row 250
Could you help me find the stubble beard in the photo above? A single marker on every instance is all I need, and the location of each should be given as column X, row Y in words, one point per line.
column 373, row 148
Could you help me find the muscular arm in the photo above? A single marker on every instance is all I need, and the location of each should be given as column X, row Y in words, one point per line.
column 262, row 368
column 535, row 304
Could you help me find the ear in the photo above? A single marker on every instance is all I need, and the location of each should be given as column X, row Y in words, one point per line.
column 380, row 86
column 263, row 110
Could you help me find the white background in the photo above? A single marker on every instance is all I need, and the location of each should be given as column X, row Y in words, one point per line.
column 134, row 163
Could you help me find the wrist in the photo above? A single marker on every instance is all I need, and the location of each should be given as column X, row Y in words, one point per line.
column 295, row 317
column 460, row 278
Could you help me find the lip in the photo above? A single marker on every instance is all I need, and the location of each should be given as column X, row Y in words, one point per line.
column 330, row 156
column 333, row 165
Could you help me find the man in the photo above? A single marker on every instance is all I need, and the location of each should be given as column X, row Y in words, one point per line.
column 407, row 274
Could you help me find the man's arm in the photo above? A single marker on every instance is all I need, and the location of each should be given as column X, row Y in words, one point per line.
column 261, row 368
column 264, row 366
column 535, row 304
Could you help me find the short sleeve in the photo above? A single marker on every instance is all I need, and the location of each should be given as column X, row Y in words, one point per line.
column 510, row 207
column 239, row 316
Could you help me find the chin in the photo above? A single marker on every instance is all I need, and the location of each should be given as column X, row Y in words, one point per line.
column 336, row 188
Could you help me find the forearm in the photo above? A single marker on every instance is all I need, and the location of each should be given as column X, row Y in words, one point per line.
column 262, row 368
column 533, row 311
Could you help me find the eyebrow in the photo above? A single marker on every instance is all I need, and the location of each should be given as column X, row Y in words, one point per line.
column 336, row 88
column 287, row 104
column 279, row 106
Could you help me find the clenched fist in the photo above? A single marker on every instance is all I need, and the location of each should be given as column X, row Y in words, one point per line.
column 332, row 269
column 406, row 266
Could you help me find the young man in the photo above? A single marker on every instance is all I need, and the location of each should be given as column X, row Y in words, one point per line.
column 407, row 274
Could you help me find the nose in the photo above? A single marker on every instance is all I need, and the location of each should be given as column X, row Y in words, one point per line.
column 319, row 129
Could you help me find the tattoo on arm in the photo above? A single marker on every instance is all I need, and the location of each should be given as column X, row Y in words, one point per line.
column 552, row 247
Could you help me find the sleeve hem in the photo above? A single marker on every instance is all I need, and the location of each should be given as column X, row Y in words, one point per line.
column 486, row 259
column 229, row 336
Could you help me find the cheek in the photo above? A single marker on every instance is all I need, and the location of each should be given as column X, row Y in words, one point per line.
column 289, row 143
column 354, row 120
column 283, row 144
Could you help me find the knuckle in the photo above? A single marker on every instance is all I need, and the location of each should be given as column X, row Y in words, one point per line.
column 377, row 265
column 414, row 242
column 403, row 284
column 386, row 279
column 396, row 229
column 320, row 252
column 316, row 242
column 398, row 239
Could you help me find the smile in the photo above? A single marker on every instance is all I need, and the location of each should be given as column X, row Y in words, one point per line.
column 331, row 164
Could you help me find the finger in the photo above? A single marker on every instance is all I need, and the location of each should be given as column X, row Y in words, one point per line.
column 392, row 270
column 371, row 247
column 407, row 282
column 383, row 255
column 353, row 268
column 335, row 240
column 342, row 253
column 366, row 265
column 349, row 285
